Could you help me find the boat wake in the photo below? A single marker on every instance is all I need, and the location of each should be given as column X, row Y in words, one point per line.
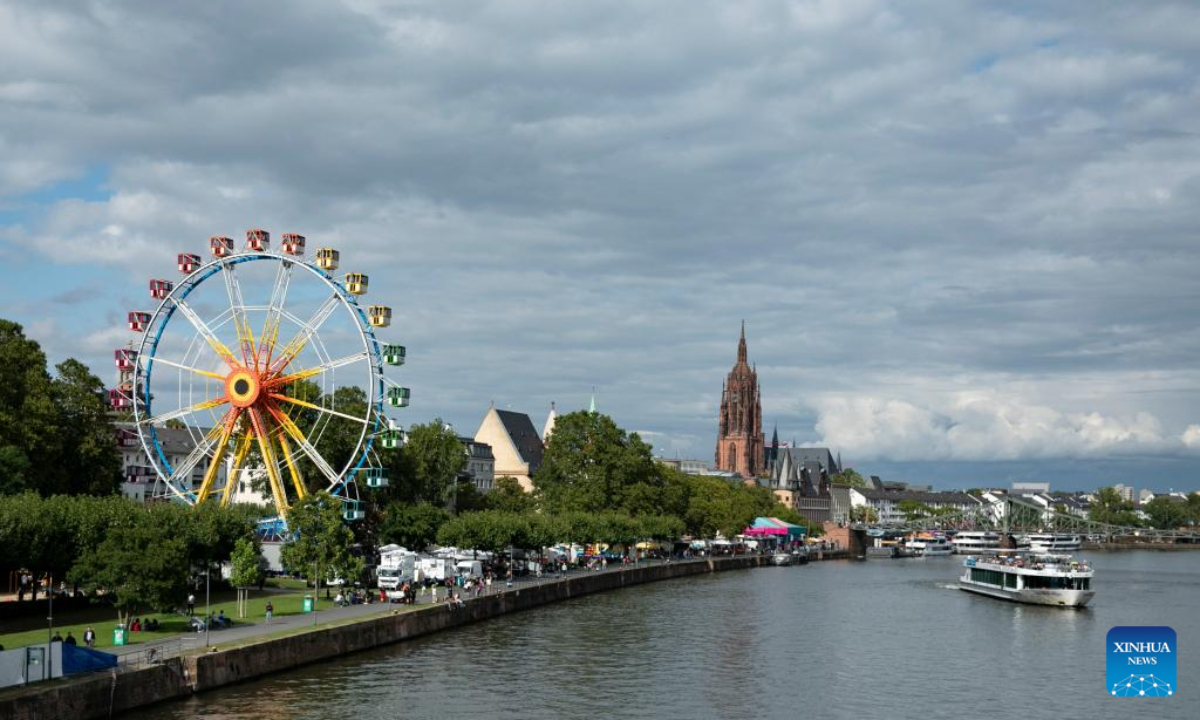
column 947, row 586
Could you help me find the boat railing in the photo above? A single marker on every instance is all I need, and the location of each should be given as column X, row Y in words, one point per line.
column 1030, row 564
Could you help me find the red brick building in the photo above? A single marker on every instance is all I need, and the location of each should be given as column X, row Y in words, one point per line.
column 739, row 435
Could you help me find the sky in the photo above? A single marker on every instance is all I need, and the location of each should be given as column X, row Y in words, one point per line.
column 962, row 236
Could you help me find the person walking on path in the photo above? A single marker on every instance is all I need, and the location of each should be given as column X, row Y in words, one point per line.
column 270, row 612
column 191, row 608
column 70, row 639
column 89, row 637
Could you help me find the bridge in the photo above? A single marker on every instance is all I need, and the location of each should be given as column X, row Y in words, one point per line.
column 1020, row 515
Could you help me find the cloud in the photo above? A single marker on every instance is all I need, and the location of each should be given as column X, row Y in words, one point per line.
column 972, row 224
column 981, row 426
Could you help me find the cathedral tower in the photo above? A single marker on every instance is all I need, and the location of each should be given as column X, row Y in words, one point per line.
column 739, row 425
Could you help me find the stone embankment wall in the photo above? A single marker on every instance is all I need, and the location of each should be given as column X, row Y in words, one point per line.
column 104, row 695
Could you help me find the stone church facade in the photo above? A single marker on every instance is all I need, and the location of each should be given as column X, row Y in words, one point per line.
column 740, row 445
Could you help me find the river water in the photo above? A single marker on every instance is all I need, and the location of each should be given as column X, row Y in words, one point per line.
column 874, row 639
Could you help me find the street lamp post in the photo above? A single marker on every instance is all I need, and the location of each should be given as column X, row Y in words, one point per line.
column 50, row 631
column 207, row 604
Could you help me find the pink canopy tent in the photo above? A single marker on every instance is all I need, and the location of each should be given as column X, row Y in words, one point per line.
column 774, row 527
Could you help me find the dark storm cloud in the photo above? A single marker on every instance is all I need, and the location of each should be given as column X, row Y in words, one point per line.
column 956, row 231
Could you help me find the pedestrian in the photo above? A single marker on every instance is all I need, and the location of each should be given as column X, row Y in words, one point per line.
column 70, row 639
column 56, row 638
column 270, row 612
column 191, row 609
column 89, row 637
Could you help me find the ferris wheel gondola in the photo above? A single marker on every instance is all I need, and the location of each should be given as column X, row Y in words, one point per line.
column 243, row 367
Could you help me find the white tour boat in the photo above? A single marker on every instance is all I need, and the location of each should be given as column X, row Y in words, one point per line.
column 1053, row 543
column 1035, row 579
column 930, row 546
column 974, row 542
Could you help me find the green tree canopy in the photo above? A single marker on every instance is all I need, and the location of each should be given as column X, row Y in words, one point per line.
column 508, row 496
column 436, row 458
column 90, row 462
column 414, row 526
column 851, row 477
column 246, row 563
column 1111, row 508
column 142, row 565
column 320, row 542
column 30, row 423
column 591, row 465
column 1168, row 513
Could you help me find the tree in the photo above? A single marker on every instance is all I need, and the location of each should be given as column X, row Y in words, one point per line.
column 138, row 566
column 414, row 526
column 30, row 433
column 509, row 496
column 849, row 476
column 246, row 569
column 716, row 505
column 1167, row 513
column 1112, row 509
column 320, row 540
column 863, row 514
column 591, row 465
column 435, row 457
column 913, row 509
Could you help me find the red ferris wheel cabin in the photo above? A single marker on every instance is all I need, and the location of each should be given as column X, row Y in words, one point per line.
column 258, row 240
column 139, row 321
column 159, row 289
column 188, row 263
column 293, row 244
column 220, row 246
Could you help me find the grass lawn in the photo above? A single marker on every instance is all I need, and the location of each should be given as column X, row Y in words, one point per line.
column 170, row 625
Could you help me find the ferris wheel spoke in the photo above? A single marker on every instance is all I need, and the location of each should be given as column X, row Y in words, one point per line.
column 181, row 412
column 302, row 442
column 307, row 331
column 205, row 331
column 270, row 332
column 239, row 457
column 210, row 475
column 189, row 368
column 316, row 370
column 262, row 433
column 297, row 482
column 237, row 308
column 198, row 453
column 319, row 408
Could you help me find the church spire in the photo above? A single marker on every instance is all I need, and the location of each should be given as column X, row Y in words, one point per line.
column 742, row 345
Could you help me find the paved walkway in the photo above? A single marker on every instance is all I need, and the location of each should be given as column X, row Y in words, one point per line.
column 327, row 612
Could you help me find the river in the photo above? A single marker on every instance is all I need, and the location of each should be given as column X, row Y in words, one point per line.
column 875, row 639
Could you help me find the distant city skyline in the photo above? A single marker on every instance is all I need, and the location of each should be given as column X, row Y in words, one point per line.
column 962, row 235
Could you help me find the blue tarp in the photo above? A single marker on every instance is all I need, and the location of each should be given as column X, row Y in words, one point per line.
column 77, row 659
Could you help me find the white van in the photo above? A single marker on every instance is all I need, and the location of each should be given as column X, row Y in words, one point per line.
column 469, row 567
column 396, row 566
column 436, row 568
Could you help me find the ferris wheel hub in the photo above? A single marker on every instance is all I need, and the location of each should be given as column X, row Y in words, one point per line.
column 243, row 386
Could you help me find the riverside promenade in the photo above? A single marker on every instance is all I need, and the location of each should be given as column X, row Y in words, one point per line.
column 257, row 650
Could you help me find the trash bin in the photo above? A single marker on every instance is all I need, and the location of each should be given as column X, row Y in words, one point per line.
column 118, row 635
column 308, row 603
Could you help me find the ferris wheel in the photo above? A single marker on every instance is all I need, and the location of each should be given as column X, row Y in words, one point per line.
column 259, row 372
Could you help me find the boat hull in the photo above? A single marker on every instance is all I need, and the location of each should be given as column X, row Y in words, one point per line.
column 1030, row 596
